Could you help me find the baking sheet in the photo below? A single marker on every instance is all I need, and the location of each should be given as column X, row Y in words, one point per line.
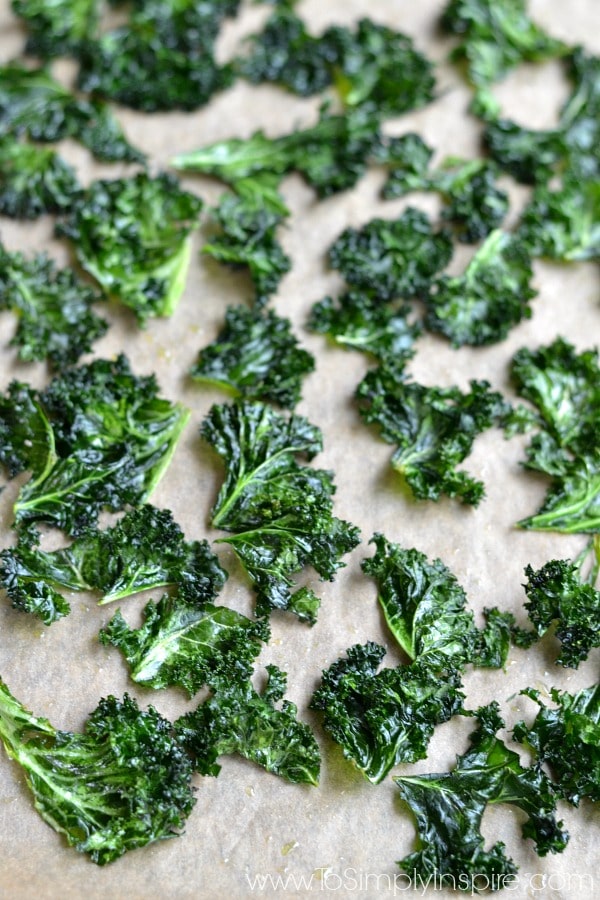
column 344, row 837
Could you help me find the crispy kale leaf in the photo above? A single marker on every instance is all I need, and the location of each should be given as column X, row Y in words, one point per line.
column 331, row 155
column 145, row 549
column 392, row 258
column 426, row 610
column 162, row 58
column 564, row 386
column 494, row 38
column 563, row 223
column 384, row 718
column 122, row 783
column 53, row 308
column 278, row 512
column 448, row 808
column 34, row 104
column 98, row 437
column 57, row 27
column 434, row 428
column 246, row 238
column 557, row 595
column 239, row 719
column 255, row 356
column 133, row 236
column 567, row 738
column 362, row 321
column 492, row 295
column 33, row 180
column 185, row 643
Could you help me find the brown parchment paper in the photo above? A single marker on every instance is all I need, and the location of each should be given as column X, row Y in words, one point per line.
column 344, row 837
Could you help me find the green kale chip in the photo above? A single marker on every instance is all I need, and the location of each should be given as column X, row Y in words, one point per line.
column 122, row 783
column 57, row 27
column 279, row 513
column 255, row 356
column 35, row 105
column 239, row 719
column 331, row 155
column 392, row 258
column 563, row 223
column 556, row 595
column 434, row 428
column 492, row 295
column 426, row 610
column 33, row 180
column 495, row 38
column 564, row 387
column 98, row 437
column 133, row 236
column 245, row 237
column 359, row 320
column 448, row 808
column 161, row 59
column 145, row 549
column 567, row 739
column 185, row 643
column 53, row 308
column 384, row 718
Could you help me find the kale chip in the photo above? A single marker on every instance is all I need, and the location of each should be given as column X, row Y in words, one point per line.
column 57, row 27
column 34, row 180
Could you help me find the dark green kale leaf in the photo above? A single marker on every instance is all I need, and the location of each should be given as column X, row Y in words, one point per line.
column 492, row 295
column 57, row 27
column 246, row 238
column 279, row 512
column 557, row 595
column 98, row 437
column 145, row 549
column 255, row 356
column 567, row 738
column 122, row 783
column 33, row 180
column 239, row 719
column 331, row 155
column 448, row 808
column 361, row 321
column 185, row 643
column 434, row 428
column 495, row 38
column 133, row 236
column 162, row 58
column 53, row 308
column 392, row 258
column 426, row 610
column 563, row 223
column 35, row 105
column 384, row 718
column 564, row 388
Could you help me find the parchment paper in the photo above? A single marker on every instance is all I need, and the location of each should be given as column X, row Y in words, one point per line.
column 344, row 837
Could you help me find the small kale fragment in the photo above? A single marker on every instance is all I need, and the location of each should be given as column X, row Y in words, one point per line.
column 53, row 308
column 239, row 719
column 98, row 437
column 185, row 643
column 567, row 738
column 122, row 783
column 145, row 549
column 57, row 27
column 563, row 223
column 384, row 718
column 246, row 238
column 492, row 295
column 255, row 356
column 434, row 428
column 361, row 321
column 35, row 105
column 448, row 808
column 133, row 236
column 33, row 180
column 278, row 512
column 557, row 595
